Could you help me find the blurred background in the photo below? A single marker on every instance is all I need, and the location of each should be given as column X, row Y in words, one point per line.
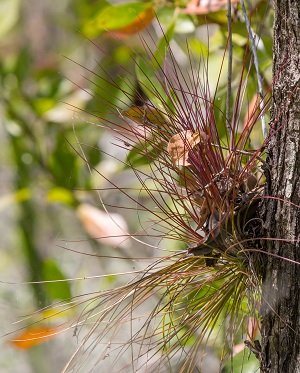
column 52, row 76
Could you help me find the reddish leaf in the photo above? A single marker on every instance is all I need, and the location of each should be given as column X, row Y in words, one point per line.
column 109, row 229
column 253, row 329
column 252, row 112
column 206, row 6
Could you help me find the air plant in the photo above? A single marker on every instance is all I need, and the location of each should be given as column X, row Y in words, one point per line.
column 205, row 182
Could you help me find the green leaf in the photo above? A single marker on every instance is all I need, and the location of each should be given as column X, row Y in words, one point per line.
column 183, row 24
column 115, row 17
column 23, row 65
column 9, row 14
column 56, row 290
column 111, row 94
column 19, row 196
column 146, row 115
column 63, row 164
column 219, row 17
column 242, row 362
column 198, row 48
column 148, row 79
column 141, row 154
column 148, row 72
column 43, row 104
column 60, row 195
column 163, row 44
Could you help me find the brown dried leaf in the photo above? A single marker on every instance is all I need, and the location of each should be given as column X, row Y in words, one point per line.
column 204, row 212
column 181, row 143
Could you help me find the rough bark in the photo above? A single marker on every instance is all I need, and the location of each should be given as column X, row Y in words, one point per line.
column 280, row 351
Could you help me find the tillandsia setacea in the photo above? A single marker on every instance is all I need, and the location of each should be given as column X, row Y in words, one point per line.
column 205, row 181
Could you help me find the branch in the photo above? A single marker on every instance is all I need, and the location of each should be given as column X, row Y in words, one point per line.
column 229, row 68
column 256, row 64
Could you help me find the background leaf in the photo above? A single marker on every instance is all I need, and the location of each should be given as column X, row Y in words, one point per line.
column 57, row 290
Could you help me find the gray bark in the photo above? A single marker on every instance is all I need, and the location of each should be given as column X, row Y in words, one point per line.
column 280, row 310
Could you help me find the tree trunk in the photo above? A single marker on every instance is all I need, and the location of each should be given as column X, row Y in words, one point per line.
column 280, row 311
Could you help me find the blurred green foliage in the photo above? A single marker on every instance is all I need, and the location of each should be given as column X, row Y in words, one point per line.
column 43, row 170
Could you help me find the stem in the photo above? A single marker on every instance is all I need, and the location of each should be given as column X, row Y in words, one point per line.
column 256, row 64
column 229, row 70
column 27, row 223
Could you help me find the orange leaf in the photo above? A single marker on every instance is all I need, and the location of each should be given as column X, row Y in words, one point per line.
column 33, row 336
column 181, row 143
column 141, row 22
